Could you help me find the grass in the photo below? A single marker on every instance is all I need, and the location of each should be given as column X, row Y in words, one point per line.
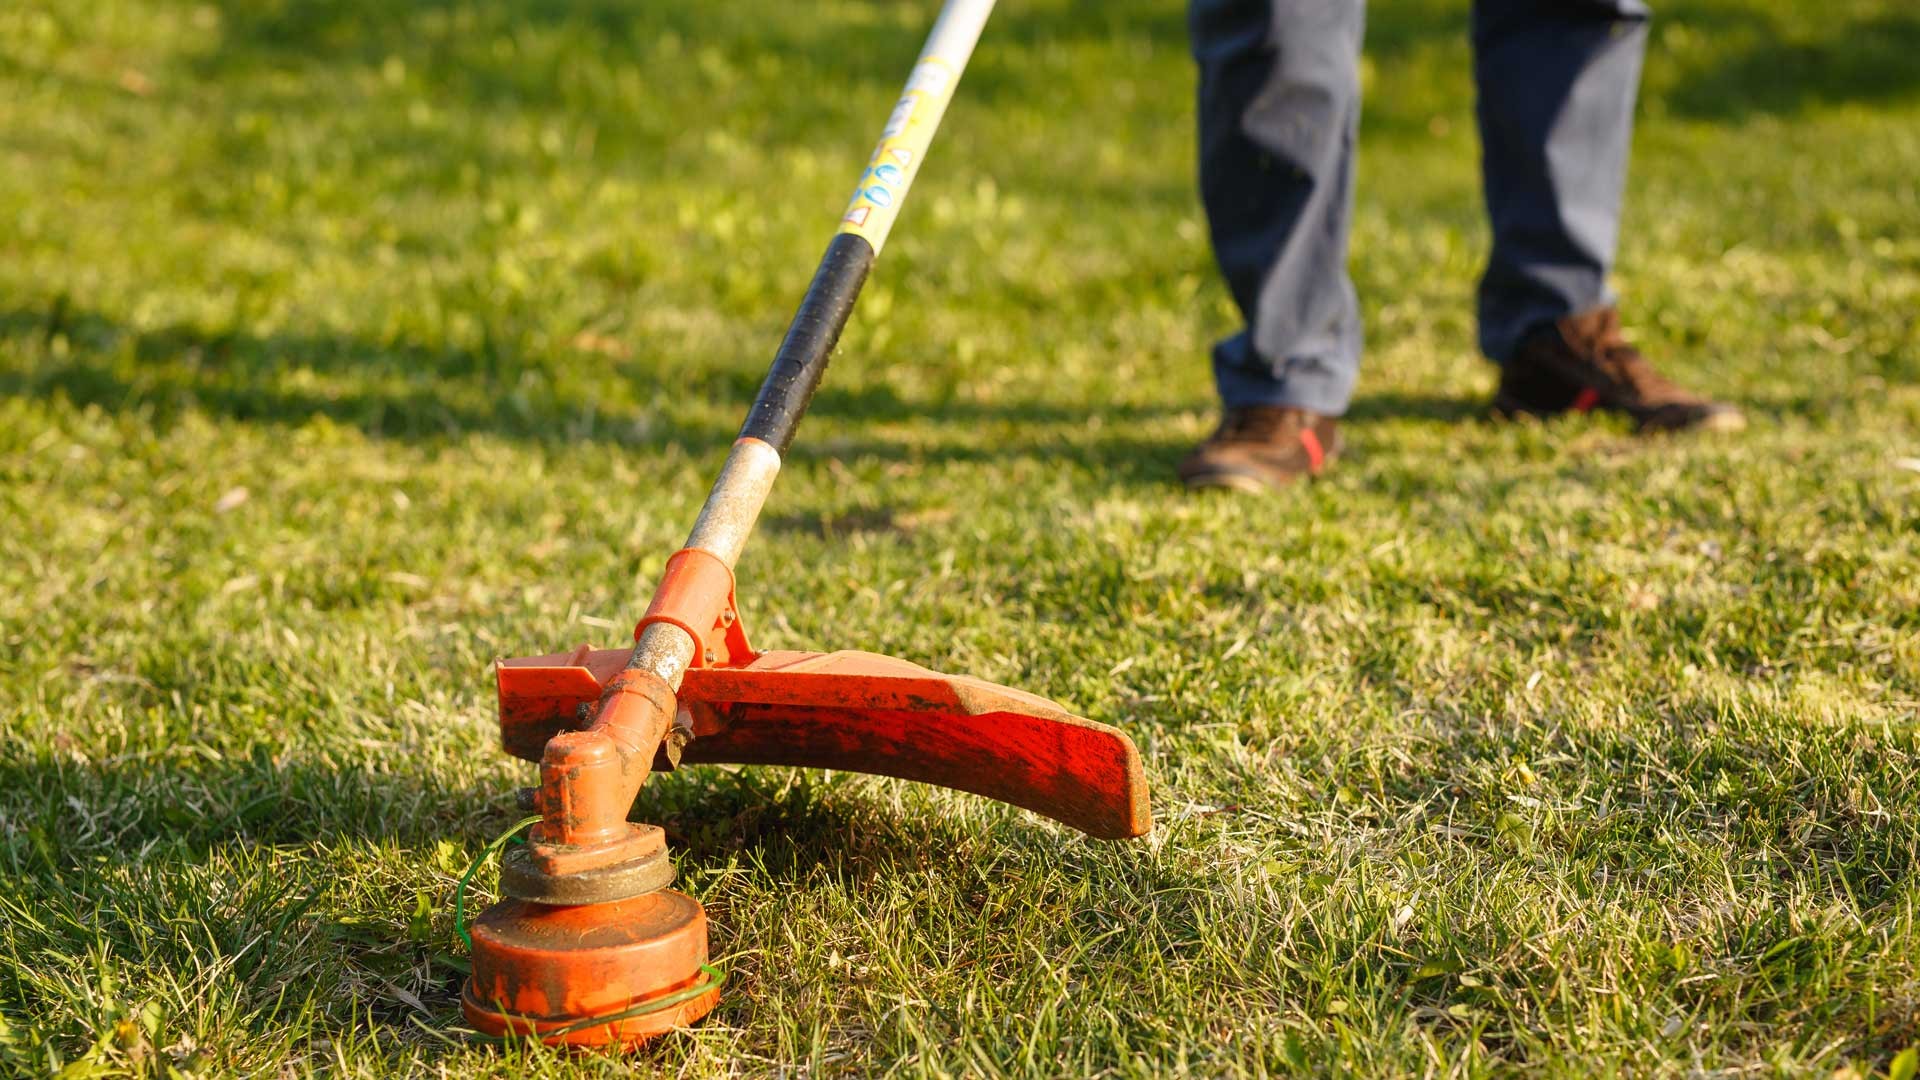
column 346, row 346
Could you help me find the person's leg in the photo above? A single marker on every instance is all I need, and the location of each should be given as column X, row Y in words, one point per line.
column 1279, row 111
column 1557, row 82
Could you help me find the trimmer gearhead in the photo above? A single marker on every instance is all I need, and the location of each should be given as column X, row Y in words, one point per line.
column 591, row 948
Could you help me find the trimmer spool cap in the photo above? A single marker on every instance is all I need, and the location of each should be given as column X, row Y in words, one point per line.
column 540, row 968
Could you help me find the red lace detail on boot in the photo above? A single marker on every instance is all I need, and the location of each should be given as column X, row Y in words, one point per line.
column 1316, row 454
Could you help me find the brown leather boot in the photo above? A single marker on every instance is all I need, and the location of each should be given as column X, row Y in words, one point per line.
column 1262, row 448
column 1582, row 363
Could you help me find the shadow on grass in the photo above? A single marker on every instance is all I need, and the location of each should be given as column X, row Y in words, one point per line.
column 857, row 47
column 1868, row 59
column 387, row 389
column 418, row 393
column 1397, row 405
column 197, row 799
column 794, row 825
column 263, row 868
column 574, row 57
column 281, row 874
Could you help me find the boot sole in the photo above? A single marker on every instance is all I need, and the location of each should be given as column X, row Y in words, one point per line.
column 1254, row 483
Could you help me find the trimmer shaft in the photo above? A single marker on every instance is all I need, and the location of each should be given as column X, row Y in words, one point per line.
column 590, row 948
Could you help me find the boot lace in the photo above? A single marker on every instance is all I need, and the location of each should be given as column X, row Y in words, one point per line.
column 1259, row 424
column 1601, row 339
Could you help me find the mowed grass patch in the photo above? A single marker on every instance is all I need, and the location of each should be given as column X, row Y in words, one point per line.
column 346, row 347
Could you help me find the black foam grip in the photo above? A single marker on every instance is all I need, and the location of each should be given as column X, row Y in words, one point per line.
column 802, row 359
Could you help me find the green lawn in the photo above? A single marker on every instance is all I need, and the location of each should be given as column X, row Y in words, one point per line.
column 346, row 345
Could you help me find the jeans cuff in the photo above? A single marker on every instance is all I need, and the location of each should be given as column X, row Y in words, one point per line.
column 1244, row 378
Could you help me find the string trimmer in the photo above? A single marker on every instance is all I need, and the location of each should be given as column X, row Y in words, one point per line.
column 590, row 947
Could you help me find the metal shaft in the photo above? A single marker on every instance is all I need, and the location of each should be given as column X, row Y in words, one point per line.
column 733, row 505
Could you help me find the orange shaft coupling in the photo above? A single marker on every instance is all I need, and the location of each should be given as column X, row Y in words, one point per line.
column 588, row 779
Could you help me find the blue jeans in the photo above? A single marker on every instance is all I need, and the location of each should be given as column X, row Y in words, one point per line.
column 1279, row 114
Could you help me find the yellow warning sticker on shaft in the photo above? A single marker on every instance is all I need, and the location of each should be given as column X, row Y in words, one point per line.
column 903, row 142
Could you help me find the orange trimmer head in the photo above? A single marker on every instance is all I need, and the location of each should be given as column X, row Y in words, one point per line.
column 613, row 974
column 590, row 946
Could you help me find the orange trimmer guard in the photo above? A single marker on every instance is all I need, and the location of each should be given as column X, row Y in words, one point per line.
column 859, row 712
